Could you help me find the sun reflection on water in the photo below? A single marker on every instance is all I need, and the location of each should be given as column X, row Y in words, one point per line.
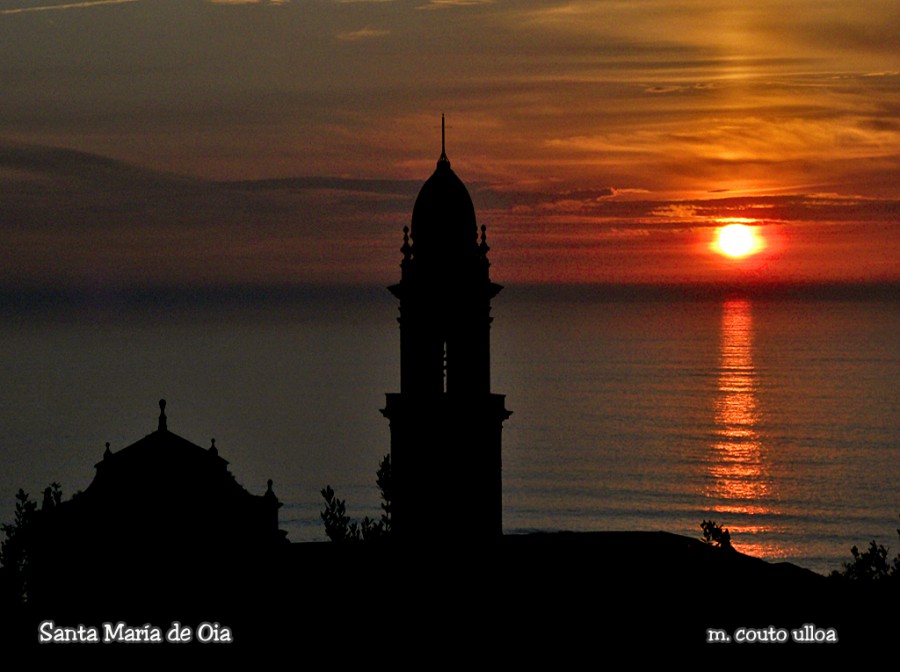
column 740, row 483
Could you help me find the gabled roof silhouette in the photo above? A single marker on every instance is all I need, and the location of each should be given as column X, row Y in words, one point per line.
column 164, row 460
column 167, row 489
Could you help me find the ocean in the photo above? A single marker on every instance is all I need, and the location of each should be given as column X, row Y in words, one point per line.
column 776, row 417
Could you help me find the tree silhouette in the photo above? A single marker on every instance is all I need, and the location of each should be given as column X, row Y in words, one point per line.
column 870, row 565
column 716, row 535
column 17, row 548
column 339, row 527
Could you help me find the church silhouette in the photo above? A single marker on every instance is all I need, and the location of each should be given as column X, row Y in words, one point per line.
column 162, row 509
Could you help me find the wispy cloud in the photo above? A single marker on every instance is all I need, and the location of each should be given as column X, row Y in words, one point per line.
column 444, row 4
column 248, row 2
column 362, row 34
column 68, row 5
column 677, row 104
column 66, row 214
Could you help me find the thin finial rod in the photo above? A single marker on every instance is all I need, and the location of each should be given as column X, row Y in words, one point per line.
column 443, row 141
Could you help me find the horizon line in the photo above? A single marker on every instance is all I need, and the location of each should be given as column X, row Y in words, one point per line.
column 23, row 299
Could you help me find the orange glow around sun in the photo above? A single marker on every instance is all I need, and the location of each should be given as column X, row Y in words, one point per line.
column 738, row 241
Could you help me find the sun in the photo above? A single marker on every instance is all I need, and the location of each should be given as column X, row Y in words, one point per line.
column 738, row 240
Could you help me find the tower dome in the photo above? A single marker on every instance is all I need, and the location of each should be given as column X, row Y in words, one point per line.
column 443, row 218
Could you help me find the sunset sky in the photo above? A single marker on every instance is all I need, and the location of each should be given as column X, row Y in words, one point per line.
column 149, row 143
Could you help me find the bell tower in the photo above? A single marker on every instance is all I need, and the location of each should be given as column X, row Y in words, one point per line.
column 445, row 422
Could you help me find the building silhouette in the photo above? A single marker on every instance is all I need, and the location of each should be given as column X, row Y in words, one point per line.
column 162, row 509
column 445, row 422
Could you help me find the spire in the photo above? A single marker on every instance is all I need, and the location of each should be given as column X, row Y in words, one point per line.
column 443, row 158
column 162, row 415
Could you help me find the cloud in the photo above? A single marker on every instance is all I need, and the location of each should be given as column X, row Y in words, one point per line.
column 77, row 219
column 248, row 2
column 65, row 6
column 664, row 89
column 373, row 186
column 362, row 34
column 661, row 99
column 444, row 4
column 678, row 211
column 52, row 164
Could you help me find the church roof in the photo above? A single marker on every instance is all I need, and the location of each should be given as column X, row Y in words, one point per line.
column 163, row 459
column 443, row 218
column 163, row 520
column 164, row 486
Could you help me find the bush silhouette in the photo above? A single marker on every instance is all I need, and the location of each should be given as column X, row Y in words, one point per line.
column 870, row 565
column 16, row 548
column 715, row 535
column 339, row 527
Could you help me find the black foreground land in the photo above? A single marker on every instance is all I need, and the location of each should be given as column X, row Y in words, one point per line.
column 554, row 596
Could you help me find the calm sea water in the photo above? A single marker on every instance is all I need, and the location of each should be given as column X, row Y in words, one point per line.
column 777, row 418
